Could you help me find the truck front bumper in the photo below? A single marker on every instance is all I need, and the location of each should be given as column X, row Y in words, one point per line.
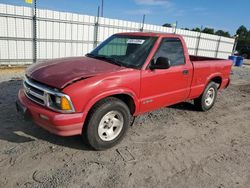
column 56, row 123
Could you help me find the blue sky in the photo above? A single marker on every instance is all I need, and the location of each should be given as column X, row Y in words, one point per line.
column 227, row 15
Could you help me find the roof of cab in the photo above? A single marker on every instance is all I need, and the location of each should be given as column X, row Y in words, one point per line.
column 151, row 34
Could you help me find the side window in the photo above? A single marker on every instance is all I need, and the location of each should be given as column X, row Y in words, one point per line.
column 172, row 49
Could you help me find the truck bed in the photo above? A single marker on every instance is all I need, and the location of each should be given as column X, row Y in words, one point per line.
column 200, row 58
column 205, row 68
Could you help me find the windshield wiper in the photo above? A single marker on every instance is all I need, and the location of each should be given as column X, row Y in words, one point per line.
column 107, row 58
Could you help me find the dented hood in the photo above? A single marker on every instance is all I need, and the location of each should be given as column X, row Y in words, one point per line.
column 59, row 73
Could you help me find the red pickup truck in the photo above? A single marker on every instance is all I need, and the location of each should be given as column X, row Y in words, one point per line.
column 128, row 74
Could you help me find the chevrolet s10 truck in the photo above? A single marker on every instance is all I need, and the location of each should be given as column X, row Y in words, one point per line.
column 96, row 96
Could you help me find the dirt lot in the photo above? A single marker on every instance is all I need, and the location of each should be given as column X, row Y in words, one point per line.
column 171, row 147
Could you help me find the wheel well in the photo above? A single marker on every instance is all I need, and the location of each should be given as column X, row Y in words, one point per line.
column 128, row 100
column 217, row 80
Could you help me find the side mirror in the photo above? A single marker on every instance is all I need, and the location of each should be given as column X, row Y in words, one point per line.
column 161, row 63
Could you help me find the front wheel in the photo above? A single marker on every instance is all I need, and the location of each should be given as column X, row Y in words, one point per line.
column 207, row 99
column 107, row 123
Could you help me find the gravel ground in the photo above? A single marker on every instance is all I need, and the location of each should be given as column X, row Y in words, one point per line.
column 7, row 74
column 247, row 61
column 170, row 147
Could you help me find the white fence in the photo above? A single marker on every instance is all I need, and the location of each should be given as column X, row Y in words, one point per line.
column 61, row 34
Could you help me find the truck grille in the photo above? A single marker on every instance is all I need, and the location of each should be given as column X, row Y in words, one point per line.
column 34, row 92
column 44, row 95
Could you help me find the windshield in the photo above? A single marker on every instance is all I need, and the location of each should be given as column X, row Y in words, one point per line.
column 128, row 51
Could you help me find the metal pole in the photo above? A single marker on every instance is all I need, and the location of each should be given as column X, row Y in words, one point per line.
column 98, row 14
column 96, row 27
column 235, row 44
column 217, row 48
column 175, row 27
column 102, row 8
column 143, row 21
column 198, row 42
column 34, row 34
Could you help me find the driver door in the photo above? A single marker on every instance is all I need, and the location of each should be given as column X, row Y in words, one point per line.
column 163, row 87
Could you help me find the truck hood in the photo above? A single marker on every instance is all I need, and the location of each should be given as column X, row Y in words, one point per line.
column 59, row 73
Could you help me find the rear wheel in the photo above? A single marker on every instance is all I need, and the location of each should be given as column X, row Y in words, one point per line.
column 107, row 123
column 207, row 99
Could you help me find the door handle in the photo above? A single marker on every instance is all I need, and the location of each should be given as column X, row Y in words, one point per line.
column 185, row 72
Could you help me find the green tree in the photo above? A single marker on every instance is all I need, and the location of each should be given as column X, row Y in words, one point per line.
column 197, row 29
column 208, row 30
column 167, row 25
column 242, row 32
column 243, row 37
column 222, row 33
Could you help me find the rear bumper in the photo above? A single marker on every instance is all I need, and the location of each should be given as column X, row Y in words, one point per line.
column 56, row 123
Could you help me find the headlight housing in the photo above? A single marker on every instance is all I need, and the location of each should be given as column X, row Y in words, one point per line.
column 60, row 102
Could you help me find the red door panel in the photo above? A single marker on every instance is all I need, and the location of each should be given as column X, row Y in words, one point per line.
column 163, row 87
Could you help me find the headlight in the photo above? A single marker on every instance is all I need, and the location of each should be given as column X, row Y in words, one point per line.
column 61, row 103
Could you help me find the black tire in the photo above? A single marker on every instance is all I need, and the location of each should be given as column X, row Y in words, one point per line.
column 95, row 118
column 200, row 103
